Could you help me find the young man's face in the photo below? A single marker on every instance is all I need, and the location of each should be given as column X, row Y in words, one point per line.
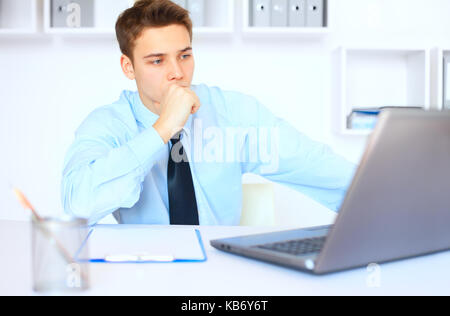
column 161, row 57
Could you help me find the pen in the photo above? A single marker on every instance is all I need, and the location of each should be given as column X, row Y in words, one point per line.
column 59, row 246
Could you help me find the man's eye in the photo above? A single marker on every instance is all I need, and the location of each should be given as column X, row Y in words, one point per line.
column 157, row 62
column 185, row 56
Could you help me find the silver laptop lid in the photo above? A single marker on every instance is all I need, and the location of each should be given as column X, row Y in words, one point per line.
column 399, row 202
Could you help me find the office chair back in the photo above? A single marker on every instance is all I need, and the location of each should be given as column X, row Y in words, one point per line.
column 258, row 205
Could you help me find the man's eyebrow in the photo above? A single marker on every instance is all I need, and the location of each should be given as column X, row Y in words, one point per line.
column 161, row 54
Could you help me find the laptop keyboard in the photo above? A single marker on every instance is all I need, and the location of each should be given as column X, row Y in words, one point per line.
column 297, row 247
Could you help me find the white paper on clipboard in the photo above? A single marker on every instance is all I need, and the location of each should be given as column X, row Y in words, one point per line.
column 139, row 243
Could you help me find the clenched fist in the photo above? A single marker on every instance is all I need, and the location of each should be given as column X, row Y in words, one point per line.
column 178, row 102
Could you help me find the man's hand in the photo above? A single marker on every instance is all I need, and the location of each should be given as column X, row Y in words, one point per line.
column 177, row 104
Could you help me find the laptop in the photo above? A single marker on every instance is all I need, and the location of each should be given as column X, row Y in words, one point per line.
column 397, row 207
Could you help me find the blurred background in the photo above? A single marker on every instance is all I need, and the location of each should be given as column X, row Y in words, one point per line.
column 53, row 75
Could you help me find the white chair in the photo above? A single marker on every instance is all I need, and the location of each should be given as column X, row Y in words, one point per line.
column 258, row 205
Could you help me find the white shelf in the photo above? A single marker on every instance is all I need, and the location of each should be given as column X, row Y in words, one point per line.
column 80, row 31
column 18, row 17
column 308, row 32
column 219, row 19
column 437, row 77
column 93, row 31
column 17, row 31
column 375, row 77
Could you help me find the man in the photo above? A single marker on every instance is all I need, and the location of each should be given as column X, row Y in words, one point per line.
column 174, row 153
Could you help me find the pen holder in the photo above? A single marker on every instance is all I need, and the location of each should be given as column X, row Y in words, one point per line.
column 56, row 245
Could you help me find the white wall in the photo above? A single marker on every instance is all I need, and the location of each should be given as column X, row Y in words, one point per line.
column 49, row 84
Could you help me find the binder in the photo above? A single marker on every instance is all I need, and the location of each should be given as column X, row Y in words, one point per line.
column 315, row 13
column 446, row 82
column 142, row 244
column 197, row 10
column 181, row 3
column 297, row 13
column 361, row 121
column 367, row 118
column 261, row 13
column 279, row 13
column 68, row 13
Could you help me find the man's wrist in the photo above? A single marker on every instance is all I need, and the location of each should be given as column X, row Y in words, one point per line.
column 163, row 131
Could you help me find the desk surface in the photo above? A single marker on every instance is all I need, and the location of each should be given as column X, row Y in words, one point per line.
column 224, row 274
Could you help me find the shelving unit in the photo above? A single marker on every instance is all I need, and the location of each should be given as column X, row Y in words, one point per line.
column 437, row 77
column 18, row 17
column 105, row 13
column 375, row 77
column 309, row 32
column 363, row 76
column 219, row 19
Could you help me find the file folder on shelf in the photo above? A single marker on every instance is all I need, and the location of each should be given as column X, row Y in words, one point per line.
column 297, row 13
column 68, row 13
column 279, row 13
column 315, row 13
column 367, row 118
column 143, row 244
column 261, row 12
column 364, row 119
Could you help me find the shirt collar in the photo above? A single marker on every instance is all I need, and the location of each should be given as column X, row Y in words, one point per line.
column 143, row 115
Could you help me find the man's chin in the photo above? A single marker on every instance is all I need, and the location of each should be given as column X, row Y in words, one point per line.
column 157, row 107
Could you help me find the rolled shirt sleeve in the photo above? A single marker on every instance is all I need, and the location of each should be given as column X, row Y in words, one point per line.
column 286, row 156
column 105, row 167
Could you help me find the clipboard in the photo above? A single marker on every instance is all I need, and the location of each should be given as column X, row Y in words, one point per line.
column 142, row 244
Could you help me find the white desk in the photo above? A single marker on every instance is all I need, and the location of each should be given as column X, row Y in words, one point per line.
column 224, row 274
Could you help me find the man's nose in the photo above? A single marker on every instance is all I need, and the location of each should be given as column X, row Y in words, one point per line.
column 175, row 71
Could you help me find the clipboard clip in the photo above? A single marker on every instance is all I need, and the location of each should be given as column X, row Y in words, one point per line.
column 139, row 258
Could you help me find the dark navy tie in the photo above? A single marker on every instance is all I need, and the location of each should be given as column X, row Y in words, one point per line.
column 182, row 202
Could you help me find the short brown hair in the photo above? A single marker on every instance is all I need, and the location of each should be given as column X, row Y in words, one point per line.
column 148, row 13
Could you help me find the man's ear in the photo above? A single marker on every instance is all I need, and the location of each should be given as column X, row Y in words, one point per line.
column 127, row 67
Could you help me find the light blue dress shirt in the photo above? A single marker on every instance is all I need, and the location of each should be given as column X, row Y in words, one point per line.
column 118, row 161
